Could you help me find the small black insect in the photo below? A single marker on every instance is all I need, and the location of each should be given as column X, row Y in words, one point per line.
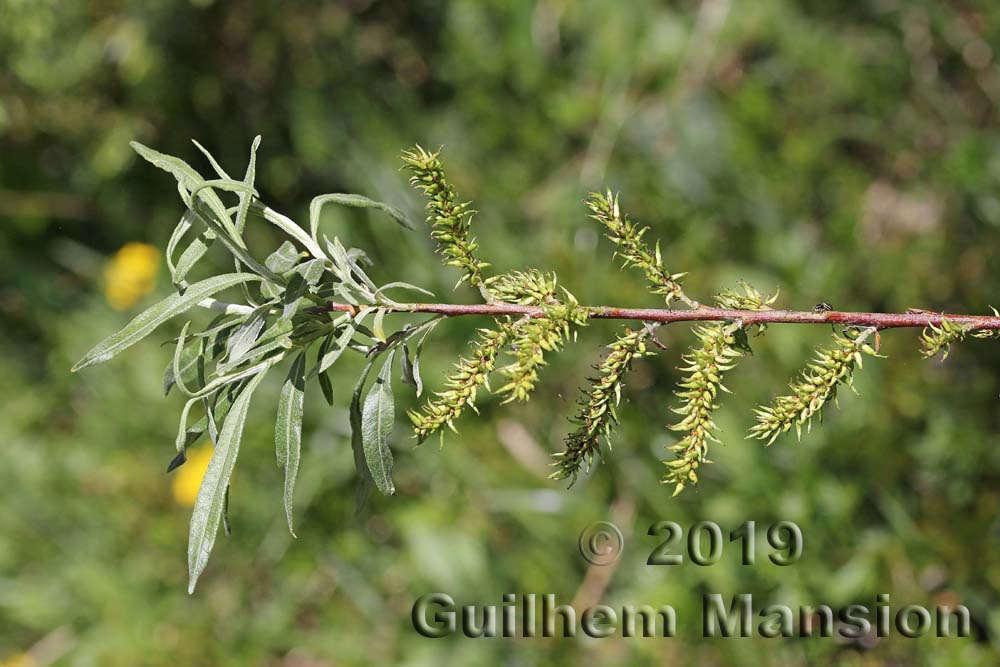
column 822, row 307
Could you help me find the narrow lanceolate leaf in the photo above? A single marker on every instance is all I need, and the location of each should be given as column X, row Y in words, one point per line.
column 355, row 201
column 147, row 321
column 209, row 505
column 332, row 349
column 365, row 480
column 243, row 338
column 191, row 255
column 406, row 367
column 376, row 426
column 237, row 248
column 283, row 259
column 417, row 380
column 248, row 180
column 288, row 429
column 188, row 367
column 211, row 159
column 324, row 380
column 195, row 250
column 187, row 177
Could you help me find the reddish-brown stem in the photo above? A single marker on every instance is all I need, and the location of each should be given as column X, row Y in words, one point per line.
column 706, row 314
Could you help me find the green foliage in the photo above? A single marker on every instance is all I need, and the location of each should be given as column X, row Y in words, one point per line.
column 211, row 504
column 284, row 316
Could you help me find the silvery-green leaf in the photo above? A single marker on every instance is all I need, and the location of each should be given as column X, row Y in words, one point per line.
column 406, row 366
column 290, row 227
column 411, row 369
column 288, row 429
column 293, row 295
column 181, row 441
column 217, row 335
column 270, row 291
column 194, row 252
column 189, row 362
column 147, row 321
column 332, row 349
column 187, row 177
column 243, row 338
column 365, row 480
column 211, row 159
column 275, row 337
column 264, row 348
column 216, row 408
column 416, row 357
column 226, row 184
column 234, row 244
column 283, row 259
column 376, row 426
column 221, row 381
column 311, row 270
column 356, row 201
column 402, row 285
column 324, row 380
column 248, row 180
column 208, row 506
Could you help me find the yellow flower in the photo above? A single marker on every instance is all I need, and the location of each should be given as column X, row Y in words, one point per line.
column 18, row 660
column 130, row 274
column 188, row 478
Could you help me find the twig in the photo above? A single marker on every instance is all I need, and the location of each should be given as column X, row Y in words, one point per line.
column 706, row 314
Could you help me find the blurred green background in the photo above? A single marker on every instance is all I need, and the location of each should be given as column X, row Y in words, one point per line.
column 841, row 151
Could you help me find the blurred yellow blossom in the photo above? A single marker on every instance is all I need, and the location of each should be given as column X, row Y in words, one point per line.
column 130, row 274
column 18, row 660
column 188, row 478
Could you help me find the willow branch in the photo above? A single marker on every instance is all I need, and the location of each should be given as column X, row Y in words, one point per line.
column 705, row 314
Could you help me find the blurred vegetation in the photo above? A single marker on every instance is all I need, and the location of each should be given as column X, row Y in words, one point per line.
column 843, row 151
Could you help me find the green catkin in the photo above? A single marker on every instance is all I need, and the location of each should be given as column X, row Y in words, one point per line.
column 717, row 352
column 448, row 218
column 934, row 339
column 815, row 386
column 598, row 405
column 527, row 288
column 531, row 339
column 705, row 365
column 633, row 250
column 462, row 384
